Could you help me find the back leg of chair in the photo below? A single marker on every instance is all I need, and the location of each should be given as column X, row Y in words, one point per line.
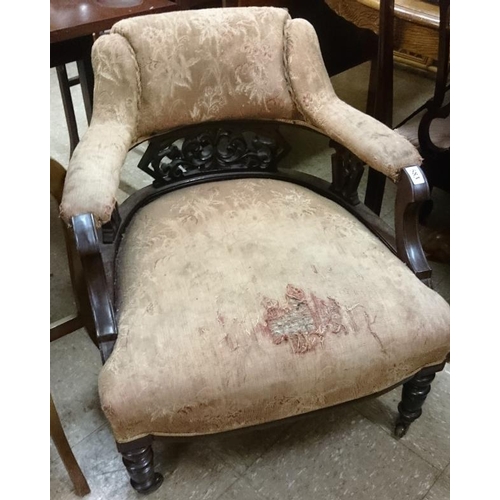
column 138, row 458
column 415, row 392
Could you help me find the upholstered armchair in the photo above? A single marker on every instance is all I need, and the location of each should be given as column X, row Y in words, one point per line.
column 230, row 293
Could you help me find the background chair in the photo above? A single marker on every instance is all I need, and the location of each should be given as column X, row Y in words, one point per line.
column 229, row 293
column 57, row 330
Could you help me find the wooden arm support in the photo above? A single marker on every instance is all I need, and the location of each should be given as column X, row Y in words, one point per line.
column 413, row 191
column 88, row 248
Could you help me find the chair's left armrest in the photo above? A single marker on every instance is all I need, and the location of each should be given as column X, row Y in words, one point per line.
column 101, row 304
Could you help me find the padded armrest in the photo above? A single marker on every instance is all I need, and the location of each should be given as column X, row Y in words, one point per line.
column 94, row 169
column 370, row 140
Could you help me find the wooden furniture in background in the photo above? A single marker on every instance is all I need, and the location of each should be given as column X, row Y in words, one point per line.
column 73, row 322
column 83, row 316
column 57, row 330
column 405, row 26
column 61, row 443
column 73, row 26
column 343, row 44
column 434, row 145
column 416, row 26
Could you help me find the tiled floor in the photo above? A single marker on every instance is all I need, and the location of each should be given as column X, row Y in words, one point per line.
column 341, row 453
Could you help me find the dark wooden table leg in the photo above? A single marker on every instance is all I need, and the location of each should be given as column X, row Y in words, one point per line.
column 67, row 457
column 86, row 75
column 380, row 96
column 69, row 110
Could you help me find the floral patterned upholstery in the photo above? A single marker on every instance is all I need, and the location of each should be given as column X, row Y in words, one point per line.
column 247, row 301
column 158, row 72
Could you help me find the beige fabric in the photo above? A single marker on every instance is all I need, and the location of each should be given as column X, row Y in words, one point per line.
column 376, row 144
column 157, row 72
column 213, row 64
column 94, row 169
column 246, row 301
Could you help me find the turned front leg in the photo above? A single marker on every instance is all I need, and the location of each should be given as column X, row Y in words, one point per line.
column 140, row 467
column 415, row 392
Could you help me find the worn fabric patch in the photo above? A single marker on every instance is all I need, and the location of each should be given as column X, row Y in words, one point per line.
column 304, row 321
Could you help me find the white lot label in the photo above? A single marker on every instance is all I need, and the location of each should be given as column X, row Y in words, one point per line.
column 415, row 175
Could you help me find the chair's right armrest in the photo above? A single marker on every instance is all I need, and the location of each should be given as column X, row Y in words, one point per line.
column 94, row 170
column 412, row 192
column 310, row 87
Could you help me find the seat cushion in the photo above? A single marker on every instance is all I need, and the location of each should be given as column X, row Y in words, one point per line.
column 247, row 301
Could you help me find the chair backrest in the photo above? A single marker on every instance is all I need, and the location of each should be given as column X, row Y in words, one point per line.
column 156, row 73
column 204, row 65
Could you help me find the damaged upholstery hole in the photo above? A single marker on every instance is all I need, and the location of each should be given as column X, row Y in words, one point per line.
column 304, row 321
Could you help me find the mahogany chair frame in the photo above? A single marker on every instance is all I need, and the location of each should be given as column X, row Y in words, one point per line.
column 220, row 151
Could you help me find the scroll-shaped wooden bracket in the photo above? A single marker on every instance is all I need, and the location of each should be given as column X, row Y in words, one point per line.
column 412, row 192
column 87, row 245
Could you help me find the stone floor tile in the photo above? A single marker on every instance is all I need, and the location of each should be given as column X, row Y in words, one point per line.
column 443, row 288
column 101, row 465
column 191, row 471
column 75, row 365
column 441, row 278
column 340, row 455
column 388, row 218
column 441, row 488
column 242, row 449
column 440, row 272
column 410, row 90
column 429, row 436
column 132, row 178
column 241, row 490
column 310, row 152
